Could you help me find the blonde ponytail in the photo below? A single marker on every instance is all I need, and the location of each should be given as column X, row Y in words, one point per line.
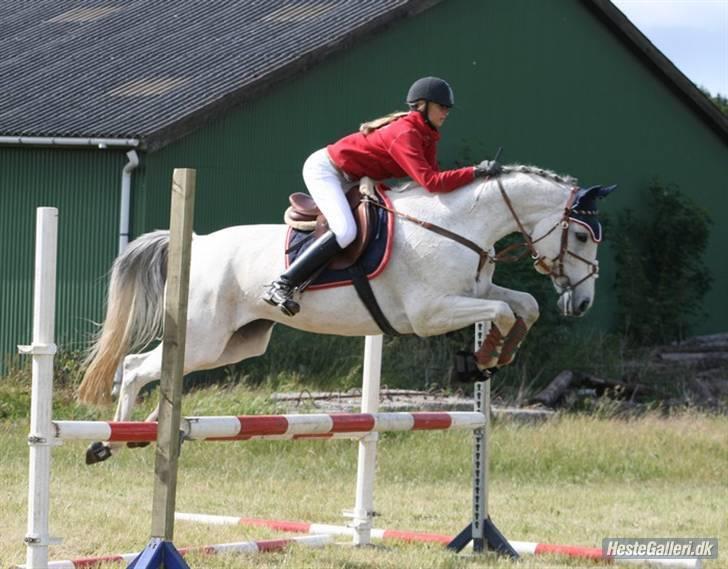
column 370, row 126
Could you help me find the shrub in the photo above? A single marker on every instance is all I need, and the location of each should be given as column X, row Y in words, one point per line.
column 661, row 276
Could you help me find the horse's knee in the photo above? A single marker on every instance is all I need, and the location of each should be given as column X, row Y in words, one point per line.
column 504, row 317
column 530, row 311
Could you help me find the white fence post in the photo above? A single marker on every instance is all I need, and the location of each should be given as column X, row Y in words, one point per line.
column 41, row 438
column 367, row 463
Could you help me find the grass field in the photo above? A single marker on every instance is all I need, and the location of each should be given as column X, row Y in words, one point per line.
column 573, row 480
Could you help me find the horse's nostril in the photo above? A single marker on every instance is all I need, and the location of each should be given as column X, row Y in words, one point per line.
column 584, row 306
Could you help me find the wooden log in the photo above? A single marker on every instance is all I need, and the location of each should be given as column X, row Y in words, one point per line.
column 555, row 390
column 694, row 357
column 325, row 395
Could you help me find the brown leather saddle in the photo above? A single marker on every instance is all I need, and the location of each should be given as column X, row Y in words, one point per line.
column 304, row 215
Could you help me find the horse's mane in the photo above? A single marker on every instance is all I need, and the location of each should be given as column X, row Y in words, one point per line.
column 549, row 174
column 511, row 169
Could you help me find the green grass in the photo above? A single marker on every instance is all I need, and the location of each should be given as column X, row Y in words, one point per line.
column 574, row 480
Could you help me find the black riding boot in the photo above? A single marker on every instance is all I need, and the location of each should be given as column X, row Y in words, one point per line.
column 280, row 292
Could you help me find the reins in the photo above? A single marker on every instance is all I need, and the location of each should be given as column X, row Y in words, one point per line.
column 483, row 255
column 528, row 242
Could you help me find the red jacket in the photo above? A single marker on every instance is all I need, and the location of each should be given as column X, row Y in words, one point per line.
column 405, row 147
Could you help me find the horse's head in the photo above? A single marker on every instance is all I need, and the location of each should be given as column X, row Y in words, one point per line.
column 565, row 248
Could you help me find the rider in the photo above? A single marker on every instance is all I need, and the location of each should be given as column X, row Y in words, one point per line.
column 393, row 146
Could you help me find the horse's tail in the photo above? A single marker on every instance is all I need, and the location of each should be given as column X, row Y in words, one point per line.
column 134, row 313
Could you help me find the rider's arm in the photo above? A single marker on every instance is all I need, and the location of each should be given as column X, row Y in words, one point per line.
column 408, row 151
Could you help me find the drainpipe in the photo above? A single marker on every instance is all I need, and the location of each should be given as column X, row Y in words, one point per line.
column 126, row 199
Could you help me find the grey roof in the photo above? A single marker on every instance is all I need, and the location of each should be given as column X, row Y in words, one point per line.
column 157, row 69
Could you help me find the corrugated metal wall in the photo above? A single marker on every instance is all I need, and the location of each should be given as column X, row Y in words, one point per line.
column 85, row 186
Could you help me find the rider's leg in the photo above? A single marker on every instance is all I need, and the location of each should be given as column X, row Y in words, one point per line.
column 325, row 184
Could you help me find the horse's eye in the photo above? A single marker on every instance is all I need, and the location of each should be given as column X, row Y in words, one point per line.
column 581, row 237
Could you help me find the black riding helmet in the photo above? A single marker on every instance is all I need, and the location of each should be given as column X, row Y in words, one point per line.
column 431, row 89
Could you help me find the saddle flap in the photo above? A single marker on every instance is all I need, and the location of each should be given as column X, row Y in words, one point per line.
column 305, row 215
column 364, row 217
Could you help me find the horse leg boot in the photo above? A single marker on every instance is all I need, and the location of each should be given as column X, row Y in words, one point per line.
column 280, row 292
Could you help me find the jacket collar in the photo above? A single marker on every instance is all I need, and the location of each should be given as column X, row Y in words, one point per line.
column 417, row 118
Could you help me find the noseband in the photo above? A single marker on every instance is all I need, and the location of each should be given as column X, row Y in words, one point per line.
column 553, row 268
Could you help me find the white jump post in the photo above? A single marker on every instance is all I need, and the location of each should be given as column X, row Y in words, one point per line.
column 40, row 438
column 367, row 462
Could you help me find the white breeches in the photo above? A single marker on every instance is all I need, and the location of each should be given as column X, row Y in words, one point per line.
column 326, row 186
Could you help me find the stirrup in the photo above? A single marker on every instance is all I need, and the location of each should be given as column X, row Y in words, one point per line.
column 279, row 294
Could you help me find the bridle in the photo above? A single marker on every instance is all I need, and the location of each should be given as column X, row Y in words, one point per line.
column 554, row 267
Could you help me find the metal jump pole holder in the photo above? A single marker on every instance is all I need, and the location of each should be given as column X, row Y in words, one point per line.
column 482, row 531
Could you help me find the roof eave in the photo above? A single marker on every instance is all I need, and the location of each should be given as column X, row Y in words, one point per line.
column 217, row 109
column 647, row 51
column 70, row 141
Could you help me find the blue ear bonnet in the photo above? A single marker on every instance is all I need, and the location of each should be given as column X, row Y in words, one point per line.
column 584, row 208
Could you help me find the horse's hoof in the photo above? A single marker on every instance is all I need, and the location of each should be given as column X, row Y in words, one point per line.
column 97, row 452
column 137, row 445
column 466, row 369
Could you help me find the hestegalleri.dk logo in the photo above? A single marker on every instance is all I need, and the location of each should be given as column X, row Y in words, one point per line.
column 661, row 548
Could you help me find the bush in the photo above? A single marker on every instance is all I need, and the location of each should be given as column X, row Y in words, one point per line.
column 661, row 276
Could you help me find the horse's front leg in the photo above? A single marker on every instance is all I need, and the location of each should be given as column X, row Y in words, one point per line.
column 525, row 308
column 433, row 317
column 448, row 313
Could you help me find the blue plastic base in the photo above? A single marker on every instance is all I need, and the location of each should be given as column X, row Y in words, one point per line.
column 159, row 554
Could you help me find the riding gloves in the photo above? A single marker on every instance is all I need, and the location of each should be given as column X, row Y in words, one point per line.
column 488, row 168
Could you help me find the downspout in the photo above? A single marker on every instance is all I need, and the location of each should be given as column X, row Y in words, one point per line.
column 125, row 208
column 124, row 215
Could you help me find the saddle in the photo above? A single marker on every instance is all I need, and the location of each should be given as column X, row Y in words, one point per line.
column 304, row 215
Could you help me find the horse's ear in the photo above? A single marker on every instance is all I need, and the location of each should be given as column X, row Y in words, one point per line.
column 604, row 191
column 595, row 192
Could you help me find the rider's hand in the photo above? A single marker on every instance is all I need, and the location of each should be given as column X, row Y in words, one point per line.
column 488, row 168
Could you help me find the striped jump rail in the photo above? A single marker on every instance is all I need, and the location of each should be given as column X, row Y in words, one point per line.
column 249, row 427
column 521, row 547
column 242, row 547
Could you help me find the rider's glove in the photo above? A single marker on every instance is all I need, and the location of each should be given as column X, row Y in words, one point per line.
column 488, row 168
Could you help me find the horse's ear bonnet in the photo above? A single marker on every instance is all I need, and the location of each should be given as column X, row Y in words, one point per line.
column 584, row 208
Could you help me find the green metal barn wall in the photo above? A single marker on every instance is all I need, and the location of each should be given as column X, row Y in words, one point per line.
column 84, row 186
column 546, row 80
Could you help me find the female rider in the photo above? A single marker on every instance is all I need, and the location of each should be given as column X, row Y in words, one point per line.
column 390, row 147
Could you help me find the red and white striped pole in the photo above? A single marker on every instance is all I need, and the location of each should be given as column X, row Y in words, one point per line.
column 247, row 427
column 242, row 547
column 521, row 547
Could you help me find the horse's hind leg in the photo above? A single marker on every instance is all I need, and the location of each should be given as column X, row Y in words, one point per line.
column 249, row 341
column 140, row 369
